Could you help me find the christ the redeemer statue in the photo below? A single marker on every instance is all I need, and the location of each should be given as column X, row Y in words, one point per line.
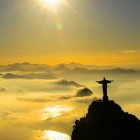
column 104, row 83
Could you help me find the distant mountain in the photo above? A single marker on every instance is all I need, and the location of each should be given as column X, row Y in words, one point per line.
column 93, row 71
column 120, row 70
column 64, row 82
column 24, row 67
column 60, row 68
column 30, row 76
column 43, row 67
column 72, row 68
column 84, row 92
column 73, row 65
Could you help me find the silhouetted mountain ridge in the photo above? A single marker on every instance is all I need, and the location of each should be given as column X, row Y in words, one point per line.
column 84, row 92
column 106, row 121
column 65, row 82
column 45, row 75
column 64, row 68
column 24, row 67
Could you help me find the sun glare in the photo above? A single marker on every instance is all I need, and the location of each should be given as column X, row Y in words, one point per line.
column 54, row 111
column 50, row 2
column 52, row 5
column 53, row 135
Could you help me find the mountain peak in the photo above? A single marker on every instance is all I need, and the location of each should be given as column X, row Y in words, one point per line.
column 26, row 63
column 106, row 120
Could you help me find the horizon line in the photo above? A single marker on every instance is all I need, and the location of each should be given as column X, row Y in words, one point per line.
column 73, row 62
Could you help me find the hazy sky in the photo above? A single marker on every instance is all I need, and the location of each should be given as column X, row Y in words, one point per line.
column 101, row 32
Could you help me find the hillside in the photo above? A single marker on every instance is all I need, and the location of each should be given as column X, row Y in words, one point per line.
column 106, row 121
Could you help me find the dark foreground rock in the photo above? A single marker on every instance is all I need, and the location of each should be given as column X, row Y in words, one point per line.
column 106, row 121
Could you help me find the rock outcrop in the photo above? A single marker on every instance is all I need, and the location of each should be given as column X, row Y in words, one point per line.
column 106, row 121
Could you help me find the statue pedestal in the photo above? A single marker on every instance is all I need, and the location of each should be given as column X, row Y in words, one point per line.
column 105, row 98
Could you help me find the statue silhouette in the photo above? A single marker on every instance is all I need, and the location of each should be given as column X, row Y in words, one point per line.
column 104, row 83
column 105, row 120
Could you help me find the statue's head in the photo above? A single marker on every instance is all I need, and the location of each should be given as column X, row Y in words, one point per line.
column 104, row 78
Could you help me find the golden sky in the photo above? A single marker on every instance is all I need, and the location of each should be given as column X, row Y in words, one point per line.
column 100, row 32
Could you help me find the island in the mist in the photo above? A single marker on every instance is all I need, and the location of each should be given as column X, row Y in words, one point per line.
column 106, row 120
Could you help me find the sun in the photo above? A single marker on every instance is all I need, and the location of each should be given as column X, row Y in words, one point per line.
column 53, row 6
column 51, row 3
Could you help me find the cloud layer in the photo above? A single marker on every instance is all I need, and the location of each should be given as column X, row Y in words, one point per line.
column 26, row 101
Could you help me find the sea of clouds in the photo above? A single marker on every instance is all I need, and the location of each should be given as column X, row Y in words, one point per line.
column 29, row 107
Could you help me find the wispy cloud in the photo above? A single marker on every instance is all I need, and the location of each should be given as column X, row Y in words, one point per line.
column 129, row 51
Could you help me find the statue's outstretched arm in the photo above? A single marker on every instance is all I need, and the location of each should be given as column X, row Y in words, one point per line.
column 109, row 81
column 100, row 82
